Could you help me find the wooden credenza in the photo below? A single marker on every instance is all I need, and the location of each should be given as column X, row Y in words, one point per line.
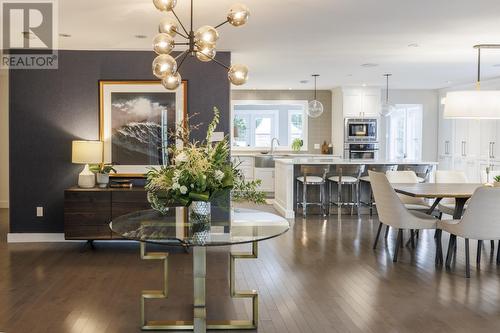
column 87, row 212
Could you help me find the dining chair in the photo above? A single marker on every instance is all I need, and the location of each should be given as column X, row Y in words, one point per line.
column 312, row 175
column 422, row 171
column 447, row 205
column 346, row 175
column 407, row 177
column 393, row 212
column 480, row 221
column 366, row 179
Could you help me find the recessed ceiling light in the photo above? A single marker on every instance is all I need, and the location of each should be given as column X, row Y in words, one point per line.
column 304, row 81
column 141, row 36
column 369, row 64
column 65, row 35
column 413, row 45
column 364, row 84
column 28, row 35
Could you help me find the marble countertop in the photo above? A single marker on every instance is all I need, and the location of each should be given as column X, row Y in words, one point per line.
column 279, row 154
column 332, row 160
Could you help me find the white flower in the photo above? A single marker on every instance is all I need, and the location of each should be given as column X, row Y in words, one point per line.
column 181, row 157
column 218, row 175
column 175, row 186
column 183, row 189
column 192, row 185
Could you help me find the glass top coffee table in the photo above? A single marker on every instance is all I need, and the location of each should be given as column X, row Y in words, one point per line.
column 199, row 230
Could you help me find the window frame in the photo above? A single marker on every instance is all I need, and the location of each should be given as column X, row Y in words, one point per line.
column 302, row 103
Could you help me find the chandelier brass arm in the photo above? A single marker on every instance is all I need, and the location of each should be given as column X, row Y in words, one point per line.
column 200, row 43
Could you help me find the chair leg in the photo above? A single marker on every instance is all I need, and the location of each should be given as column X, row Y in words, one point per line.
column 467, row 260
column 412, row 238
column 386, row 231
column 498, row 253
column 378, row 234
column 371, row 201
column 399, row 242
column 492, row 244
column 449, row 254
column 439, row 248
column 478, row 255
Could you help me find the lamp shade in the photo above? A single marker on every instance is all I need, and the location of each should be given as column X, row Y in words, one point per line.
column 84, row 152
column 473, row 104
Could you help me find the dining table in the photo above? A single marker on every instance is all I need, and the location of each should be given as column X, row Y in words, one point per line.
column 461, row 192
column 198, row 229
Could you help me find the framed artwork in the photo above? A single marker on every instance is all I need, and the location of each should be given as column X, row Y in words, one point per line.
column 135, row 118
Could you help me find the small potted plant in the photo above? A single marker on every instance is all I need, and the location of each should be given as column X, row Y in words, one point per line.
column 297, row 144
column 496, row 182
column 102, row 172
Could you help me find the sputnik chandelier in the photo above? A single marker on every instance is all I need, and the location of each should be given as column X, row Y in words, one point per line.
column 200, row 43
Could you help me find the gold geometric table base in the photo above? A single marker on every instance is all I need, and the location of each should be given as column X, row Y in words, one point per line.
column 199, row 324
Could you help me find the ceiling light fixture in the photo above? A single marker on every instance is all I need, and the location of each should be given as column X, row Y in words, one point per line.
column 314, row 107
column 200, row 43
column 387, row 108
column 474, row 104
column 369, row 65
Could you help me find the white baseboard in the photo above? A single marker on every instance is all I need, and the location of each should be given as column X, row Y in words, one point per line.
column 288, row 214
column 35, row 237
column 4, row 204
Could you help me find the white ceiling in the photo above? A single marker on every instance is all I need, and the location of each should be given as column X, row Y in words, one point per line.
column 286, row 41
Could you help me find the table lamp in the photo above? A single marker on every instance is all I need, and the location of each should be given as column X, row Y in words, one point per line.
column 85, row 152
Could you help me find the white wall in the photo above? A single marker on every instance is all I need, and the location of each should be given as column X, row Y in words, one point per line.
column 4, row 139
column 430, row 101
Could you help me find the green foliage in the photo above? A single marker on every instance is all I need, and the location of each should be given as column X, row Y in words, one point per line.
column 199, row 172
column 102, row 168
column 497, row 178
column 297, row 144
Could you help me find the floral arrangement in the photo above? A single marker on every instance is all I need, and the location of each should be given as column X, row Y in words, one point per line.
column 200, row 171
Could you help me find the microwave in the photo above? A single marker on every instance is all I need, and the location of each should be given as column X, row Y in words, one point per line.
column 360, row 130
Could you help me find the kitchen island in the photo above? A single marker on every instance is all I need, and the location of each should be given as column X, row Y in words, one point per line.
column 287, row 169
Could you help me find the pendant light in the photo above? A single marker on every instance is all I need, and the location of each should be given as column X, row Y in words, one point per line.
column 474, row 104
column 387, row 108
column 314, row 107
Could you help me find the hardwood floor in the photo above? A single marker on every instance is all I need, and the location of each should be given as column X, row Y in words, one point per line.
column 322, row 276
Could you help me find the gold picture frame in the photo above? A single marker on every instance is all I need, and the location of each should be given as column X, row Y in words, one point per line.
column 134, row 89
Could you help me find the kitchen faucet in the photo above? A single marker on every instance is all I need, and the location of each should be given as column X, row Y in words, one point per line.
column 272, row 144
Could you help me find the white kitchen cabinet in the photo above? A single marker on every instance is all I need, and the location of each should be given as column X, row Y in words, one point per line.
column 361, row 102
column 266, row 175
column 445, row 162
column 466, row 141
column 488, row 137
column 445, row 136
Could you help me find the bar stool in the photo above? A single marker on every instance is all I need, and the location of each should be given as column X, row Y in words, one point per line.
column 421, row 170
column 349, row 175
column 366, row 179
column 312, row 175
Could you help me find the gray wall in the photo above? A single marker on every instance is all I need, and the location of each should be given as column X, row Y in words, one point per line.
column 50, row 108
column 4, row 139
column 319, row 129
column 430, row 101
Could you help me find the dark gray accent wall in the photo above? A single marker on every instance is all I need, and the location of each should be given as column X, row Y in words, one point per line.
column 50, row 108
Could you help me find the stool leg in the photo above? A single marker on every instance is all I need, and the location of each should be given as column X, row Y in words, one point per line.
column 297, row 196
column 339, row 196
column 371, row 202
column 304, row 202
column 358, row 196
column 351, row 199
column 386, row 231
column 492, row 243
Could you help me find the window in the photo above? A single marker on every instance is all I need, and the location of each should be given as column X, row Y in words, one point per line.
column 256, row 123
column 405, row 132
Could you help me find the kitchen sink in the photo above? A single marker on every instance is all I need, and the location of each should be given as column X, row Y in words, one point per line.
column 264, row 161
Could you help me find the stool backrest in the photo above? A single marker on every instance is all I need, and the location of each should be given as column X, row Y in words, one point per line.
column 314, row 170
column 353, row 170
column 421, row 170
column 381, row 168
